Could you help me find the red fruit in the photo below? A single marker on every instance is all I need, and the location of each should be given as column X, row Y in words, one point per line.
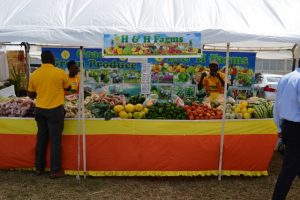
column 191, row 117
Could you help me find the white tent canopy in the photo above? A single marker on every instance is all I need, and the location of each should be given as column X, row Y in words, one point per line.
column 82, row 22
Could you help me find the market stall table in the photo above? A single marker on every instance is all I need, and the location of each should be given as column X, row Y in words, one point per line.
column 149, row 147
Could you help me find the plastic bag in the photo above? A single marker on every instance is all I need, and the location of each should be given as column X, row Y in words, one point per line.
column 176, row 99
column 150, row 100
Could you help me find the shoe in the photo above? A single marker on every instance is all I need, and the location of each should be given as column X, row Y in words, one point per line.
column 58, row 174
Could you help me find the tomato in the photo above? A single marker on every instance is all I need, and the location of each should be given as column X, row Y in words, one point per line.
column 191, row 117
column 195, row 108
column 186, row 107
column 198, row 111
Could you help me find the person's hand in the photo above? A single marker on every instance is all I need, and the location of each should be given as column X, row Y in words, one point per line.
column 203, row 75
column 281, row 135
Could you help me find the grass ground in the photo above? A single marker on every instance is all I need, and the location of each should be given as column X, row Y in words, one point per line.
column 17, row 185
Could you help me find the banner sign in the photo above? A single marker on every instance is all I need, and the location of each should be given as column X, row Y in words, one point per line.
column 92, row 58
column 164, row 76
column 152, row 45
column 111, row 75
column 188, row 71
column 244, row 59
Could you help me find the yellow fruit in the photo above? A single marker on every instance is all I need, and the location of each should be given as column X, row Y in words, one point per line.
column 129, row 115
column 123, row 115
column 139, row 107
column 247, row 115
column 250, row 110
column 243, row 107
column 118, row 108
column 129, row 108
column 237, row 110
column 137, row 115
column 245, row 103
column 238, row 106
column 143, row 113
column 146, row 110
column 244, row 110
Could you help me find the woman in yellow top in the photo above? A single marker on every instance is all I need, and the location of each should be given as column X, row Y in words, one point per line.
column 214, row 81
column 73, row 76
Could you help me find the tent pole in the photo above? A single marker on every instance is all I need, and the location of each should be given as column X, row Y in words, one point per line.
column 78, row 138
column 81, row 93
column 27, row 60
column 223, row 117
column 79, row 119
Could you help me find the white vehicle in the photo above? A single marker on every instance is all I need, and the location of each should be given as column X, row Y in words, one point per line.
column 265, row 85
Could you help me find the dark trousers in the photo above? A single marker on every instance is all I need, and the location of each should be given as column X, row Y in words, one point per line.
column 50, row 123
column 291, row 161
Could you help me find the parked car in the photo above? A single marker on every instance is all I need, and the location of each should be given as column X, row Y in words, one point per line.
column 265, row 85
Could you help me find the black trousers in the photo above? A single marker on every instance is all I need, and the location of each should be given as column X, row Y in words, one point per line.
column 50, row 123
column 291, row 161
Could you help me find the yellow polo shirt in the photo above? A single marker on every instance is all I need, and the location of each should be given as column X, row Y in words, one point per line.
column 48, row 82
column 74, row 82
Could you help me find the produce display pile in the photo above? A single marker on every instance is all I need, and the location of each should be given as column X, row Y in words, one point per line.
column 108, row 106
column 16, row 107
column 254, row 107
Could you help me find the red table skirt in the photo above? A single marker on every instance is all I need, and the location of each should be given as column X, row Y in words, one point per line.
column 148, row 147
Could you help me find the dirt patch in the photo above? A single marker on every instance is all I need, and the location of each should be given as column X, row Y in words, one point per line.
column 25, row 185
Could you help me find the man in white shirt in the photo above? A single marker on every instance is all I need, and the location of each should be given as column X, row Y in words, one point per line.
column 287, row 119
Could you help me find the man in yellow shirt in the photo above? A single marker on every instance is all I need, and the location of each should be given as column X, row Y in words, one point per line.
column 214, row 81
column 47, row 85
column 74, row 78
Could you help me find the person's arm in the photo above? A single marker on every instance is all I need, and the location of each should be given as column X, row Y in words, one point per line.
column 66, row 82
column 220, row 79
column 31, row 90
column 276, row 115
column 32, row 95
column 200, row 84
column 68, row 88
